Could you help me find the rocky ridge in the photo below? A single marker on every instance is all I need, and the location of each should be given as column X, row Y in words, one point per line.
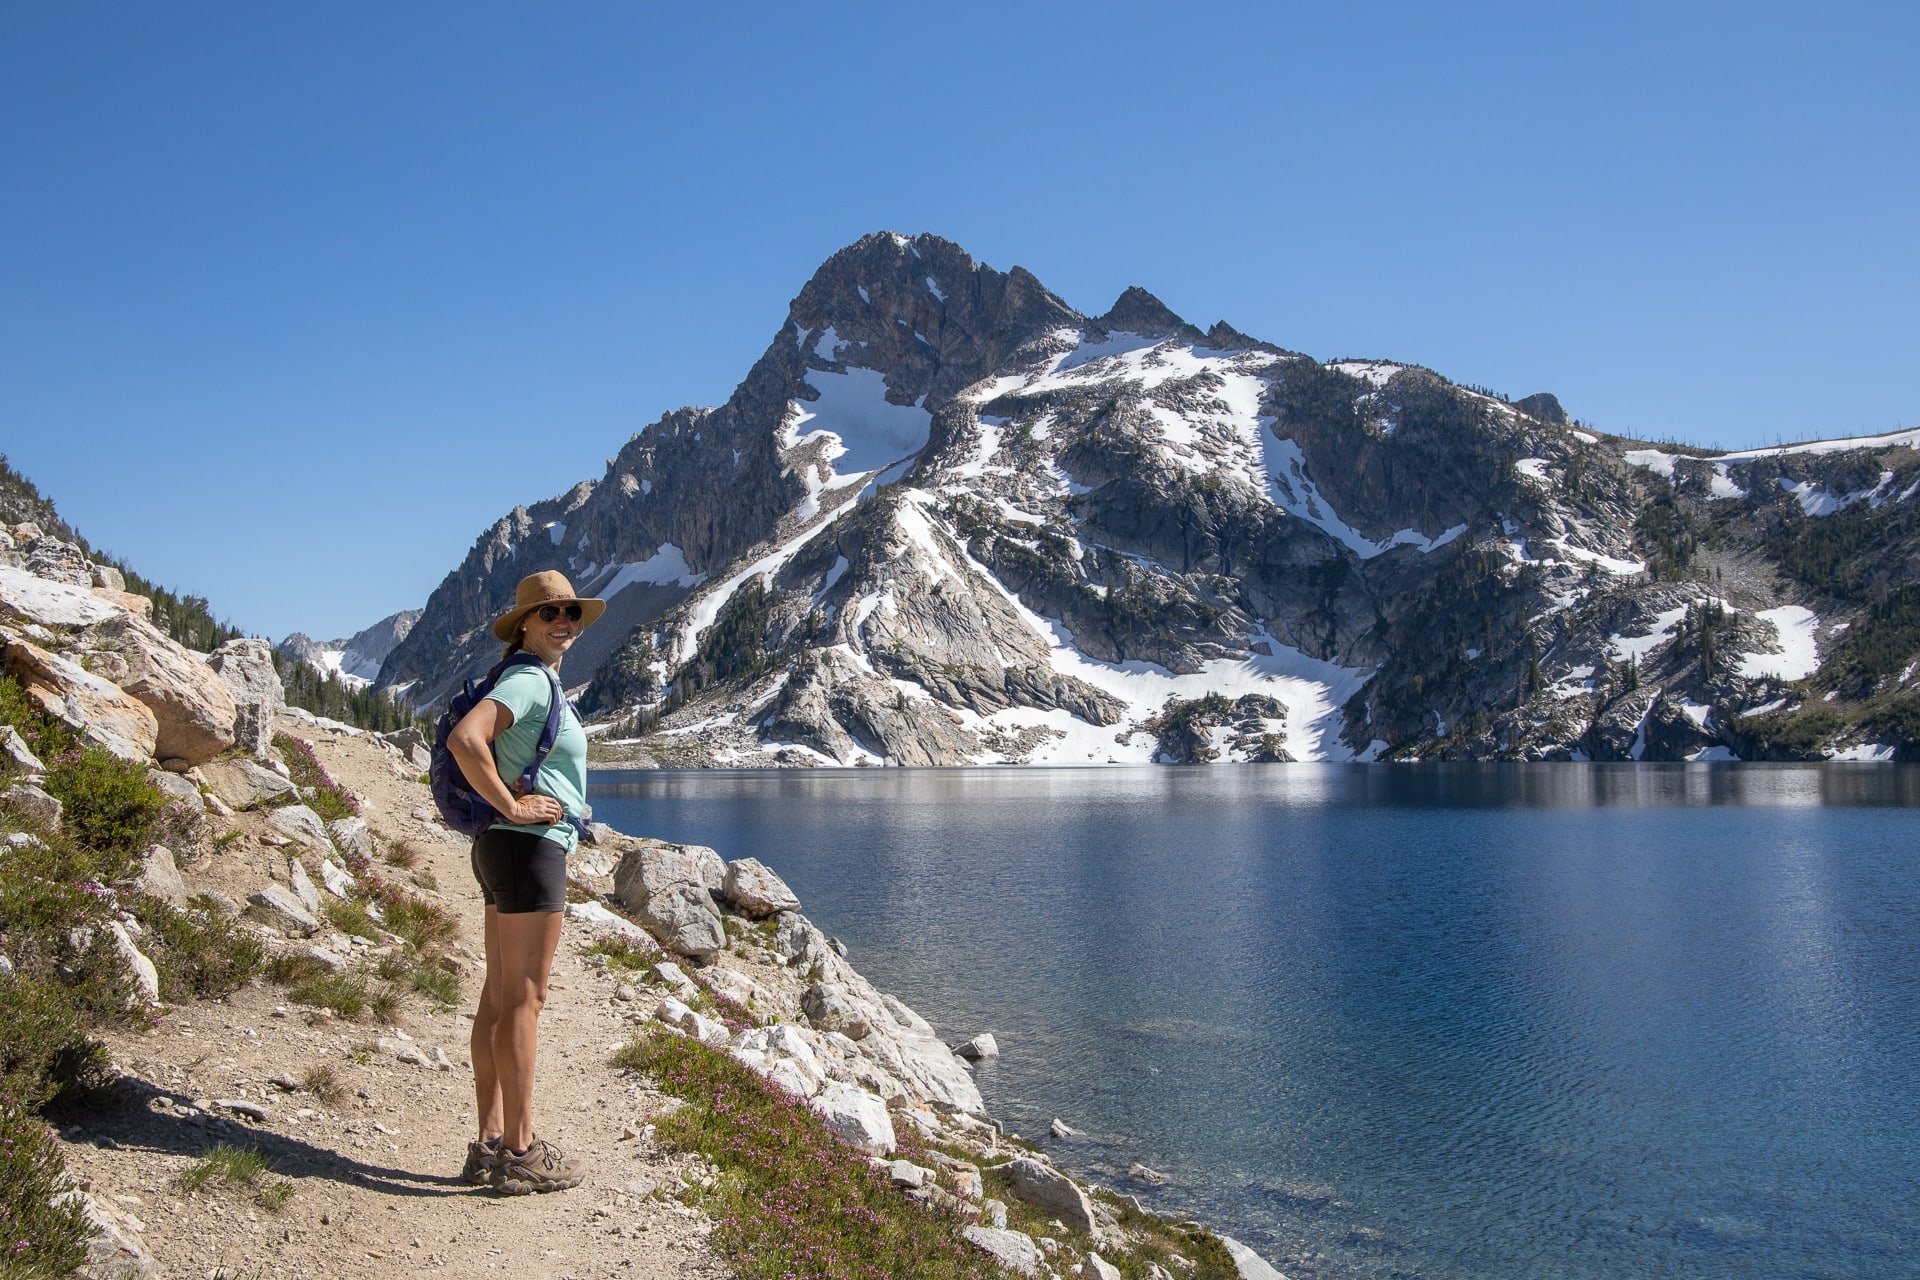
column 947, row 518
column 357, row 658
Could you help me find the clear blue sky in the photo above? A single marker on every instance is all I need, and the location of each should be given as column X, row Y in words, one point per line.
column 275, row 279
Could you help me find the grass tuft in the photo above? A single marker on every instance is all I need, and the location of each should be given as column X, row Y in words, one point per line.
column 436, row 983
column 351, row 917
column 323, row 1082
column 232, row 1166
column 346, row 994
column 225, row 1163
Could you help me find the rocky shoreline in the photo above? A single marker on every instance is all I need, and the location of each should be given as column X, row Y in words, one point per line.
column 348, row 1105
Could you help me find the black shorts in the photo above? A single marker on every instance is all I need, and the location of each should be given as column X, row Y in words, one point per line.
column 519, row 871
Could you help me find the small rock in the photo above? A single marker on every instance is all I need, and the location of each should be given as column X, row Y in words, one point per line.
column 674, row 976
column 242, row 784
column 706, row 1030
column 242, row 1107
column 905, row 1173
column 115, row 1247
column 1064, row 1131
column 160, row 877
column 335, row 878
column 993, row 1213
column 597, row 917
column 981, row 1046
column 303, row 886
column 440, row 1060
column 1013, row 1250
column 301, row 824
column 352, row 836
column 17, row 755
column 284, row 1082
column 279, row 908
column 755, row 891
column 325, row 955
column 146, row 977
column 857, row 1116
column 1249, row 1264
column 32, row 803
column 1046, row 1188
column 178, row 789
column 6, row 967
column 829, row 1007
column 401, row 1051
column 967, row 1184
column 1101, row 1269
column 1153, row 1177
column 836, row 946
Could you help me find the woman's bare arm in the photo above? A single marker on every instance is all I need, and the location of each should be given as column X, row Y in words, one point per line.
column 472, row 745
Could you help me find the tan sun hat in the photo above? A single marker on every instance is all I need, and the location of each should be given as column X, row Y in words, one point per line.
column 536, row 589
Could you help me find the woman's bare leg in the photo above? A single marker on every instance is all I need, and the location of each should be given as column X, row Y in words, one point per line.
column 486, row 1078
column 517, row 981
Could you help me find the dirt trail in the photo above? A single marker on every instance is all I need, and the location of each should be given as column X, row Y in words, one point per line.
column 375, row 1177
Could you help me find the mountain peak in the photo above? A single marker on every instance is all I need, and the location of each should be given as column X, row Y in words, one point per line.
column 1137, row 311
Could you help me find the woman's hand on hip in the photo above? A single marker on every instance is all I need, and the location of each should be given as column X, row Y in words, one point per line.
column 535, row 811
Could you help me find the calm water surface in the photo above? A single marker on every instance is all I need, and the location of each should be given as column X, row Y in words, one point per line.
column 1434, row 1021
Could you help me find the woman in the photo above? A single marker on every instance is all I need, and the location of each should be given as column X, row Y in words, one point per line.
column 521, row 864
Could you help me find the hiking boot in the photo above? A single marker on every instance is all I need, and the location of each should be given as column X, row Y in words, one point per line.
column 541, row 1167
column 478, row 1170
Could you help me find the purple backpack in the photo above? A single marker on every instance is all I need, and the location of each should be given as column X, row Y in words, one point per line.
column 463, row 810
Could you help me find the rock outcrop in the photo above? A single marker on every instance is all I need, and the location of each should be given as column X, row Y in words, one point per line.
column 85, row 652
column 247, row 668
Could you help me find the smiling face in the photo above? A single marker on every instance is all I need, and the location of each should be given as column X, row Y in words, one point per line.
column 549, row 640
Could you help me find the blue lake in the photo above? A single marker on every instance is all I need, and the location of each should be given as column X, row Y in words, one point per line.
column 1406, row 1021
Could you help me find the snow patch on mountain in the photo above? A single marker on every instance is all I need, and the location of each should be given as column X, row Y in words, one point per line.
column 1378, row 372
column 1799, row 655
column 1621, row 648
column 865, row 430
column 664, row 567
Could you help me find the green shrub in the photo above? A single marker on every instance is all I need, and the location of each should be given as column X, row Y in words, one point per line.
column 37, row 1236
column 793, row 1200
column 199, row 952
column 323, row 1082
column 623, row 952
column 44, row 1046
column 237, row 1166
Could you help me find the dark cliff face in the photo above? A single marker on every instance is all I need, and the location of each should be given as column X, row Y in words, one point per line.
column 947, row 517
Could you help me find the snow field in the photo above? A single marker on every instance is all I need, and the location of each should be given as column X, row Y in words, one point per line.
column 1799, row 656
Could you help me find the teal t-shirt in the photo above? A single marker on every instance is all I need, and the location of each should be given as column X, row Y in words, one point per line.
column 527, row 691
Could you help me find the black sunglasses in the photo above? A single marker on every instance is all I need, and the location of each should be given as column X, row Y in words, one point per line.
column 548, row 612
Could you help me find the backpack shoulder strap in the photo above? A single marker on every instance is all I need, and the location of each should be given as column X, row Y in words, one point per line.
column 550, row 734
